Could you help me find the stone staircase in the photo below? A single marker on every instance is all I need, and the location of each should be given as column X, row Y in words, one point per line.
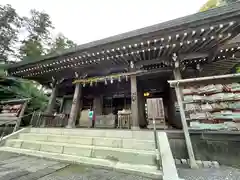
column 121, row 150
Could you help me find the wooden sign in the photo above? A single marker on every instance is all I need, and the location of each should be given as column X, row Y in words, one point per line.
column 155, row 108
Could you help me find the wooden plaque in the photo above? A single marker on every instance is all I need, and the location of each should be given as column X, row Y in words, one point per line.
column 155, row 108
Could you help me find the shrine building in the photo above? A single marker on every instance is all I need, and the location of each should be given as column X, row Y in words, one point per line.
column 122, row 71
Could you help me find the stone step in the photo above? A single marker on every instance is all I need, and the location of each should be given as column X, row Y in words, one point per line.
column 142, row 170
column 130, row 156
column 95, row 141
column 111, row 133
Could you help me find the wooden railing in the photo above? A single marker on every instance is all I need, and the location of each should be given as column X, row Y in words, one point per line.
column 40, row 119
column 124, row 119
column 12, row 112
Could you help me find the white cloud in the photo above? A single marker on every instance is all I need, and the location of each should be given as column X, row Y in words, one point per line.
column 88, row 20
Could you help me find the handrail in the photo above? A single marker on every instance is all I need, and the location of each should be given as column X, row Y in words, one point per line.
column 15, row 101
column 7, row 123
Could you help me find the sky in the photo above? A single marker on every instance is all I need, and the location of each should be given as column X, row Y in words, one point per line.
column 87, row 20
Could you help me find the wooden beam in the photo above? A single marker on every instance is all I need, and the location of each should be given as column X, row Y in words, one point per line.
column 192, row 56
column 178, row 90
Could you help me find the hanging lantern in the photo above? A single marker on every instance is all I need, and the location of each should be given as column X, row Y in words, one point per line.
column 111, row 80
column 96, row 83
column 84, row 84
column 105, row 81
column 126, row 78
column 119, row 79
column 131, row 65
column 91, row 83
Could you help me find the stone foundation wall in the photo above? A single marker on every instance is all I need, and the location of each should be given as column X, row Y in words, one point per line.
column 208, row 146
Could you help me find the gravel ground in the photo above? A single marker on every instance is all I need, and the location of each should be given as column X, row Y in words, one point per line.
column 222, row 173
column 19, row 167
column 76, row 172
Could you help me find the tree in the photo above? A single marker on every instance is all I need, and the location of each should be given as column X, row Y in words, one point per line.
column 215, row 3
column 10, row 24
column 31, row 49
column 38, row 27
column 60, row 43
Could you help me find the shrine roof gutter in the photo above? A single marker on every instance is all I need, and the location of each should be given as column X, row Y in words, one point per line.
column 198, row 19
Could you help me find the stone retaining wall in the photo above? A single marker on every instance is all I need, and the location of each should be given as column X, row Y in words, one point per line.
column 223, row 147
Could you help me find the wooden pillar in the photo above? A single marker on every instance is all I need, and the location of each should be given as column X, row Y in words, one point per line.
column 75, row 106
column 98, row 104
column 177, row 76
column 134, row 104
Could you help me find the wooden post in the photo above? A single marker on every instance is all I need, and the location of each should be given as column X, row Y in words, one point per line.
column 193, row 164
column 98, row 104
column 18, row 123
column 75, row 106
column 134, row 104
column 141, row 109
column 52, row 101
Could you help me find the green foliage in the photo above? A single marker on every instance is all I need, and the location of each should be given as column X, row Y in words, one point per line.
column 11, row 88
column 31, row 49
column 60, row 43
column 38, row 27
column 238, row 69
column 210, row 4
column 10, row 24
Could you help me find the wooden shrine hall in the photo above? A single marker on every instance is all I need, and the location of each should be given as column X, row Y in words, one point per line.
column 120, row 72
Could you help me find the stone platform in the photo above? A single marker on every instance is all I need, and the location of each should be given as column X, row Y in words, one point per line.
column 120, row 150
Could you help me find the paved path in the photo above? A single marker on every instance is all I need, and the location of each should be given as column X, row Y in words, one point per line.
column 19, row 167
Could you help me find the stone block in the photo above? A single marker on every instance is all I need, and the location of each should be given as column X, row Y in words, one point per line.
column 78, row 151
column 132, row 157
column 13, row 143
column 138, row 144
column 38, row 130
column 143, row 135
column 33, row 137
column 107, row 142
column 84, row 132
column 80, row 140
column 118, row 134
column 30, row 145
column 57, row 138
column 215, row 164
column 199, row 163
column 51, row 148
column 58, row 131
column 207, row 164
column 184, row 161
column 177, row 161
